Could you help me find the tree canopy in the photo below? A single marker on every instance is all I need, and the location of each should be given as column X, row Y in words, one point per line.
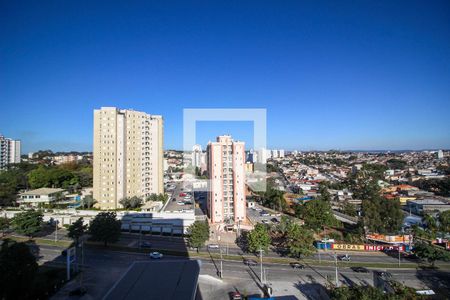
column 198, row 234
column 258, row 238
column 131, row 202
column 316, row 214
column 430, row 253
column 105, row 228
column 76, row 230
column 299, row 240
column 17, row 270
column 382, row 215
column 28, row 222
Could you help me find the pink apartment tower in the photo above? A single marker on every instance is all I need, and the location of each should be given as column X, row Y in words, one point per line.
column 226, row 202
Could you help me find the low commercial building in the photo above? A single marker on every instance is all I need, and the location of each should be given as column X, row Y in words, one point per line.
column 33, row 198
column 425, row 206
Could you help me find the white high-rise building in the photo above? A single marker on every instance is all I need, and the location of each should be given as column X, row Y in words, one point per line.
column 281, row 153
column 9, row 151
column 197, row 156
column 274, row 153
column 226, row 196
column 128, row 155
column 440, row 154
column 263, row 155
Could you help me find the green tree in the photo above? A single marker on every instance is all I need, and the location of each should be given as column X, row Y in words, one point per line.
column 258, row 238
column 18, row 268
column 349, row 209
column 11, row 181
column 324, row 193
column 430, row 253
column 198, row 234
column 131, row 202
column 382, row 215
column 28, row 222
column 105, row 228
column 316, row 214
column 444, row 221
column 430, row 222
column 77, row 229
column 4, row 224
column 158, row 197
column 299, row 241
column 88, row 202
column 395, row 163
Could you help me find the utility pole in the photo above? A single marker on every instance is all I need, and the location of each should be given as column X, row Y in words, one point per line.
column 335, row 260
column 260, row 262
column 221, row 263
column 399, row 259
column 56, row 231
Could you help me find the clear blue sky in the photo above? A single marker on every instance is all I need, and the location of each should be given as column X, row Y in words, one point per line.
column 331, row 74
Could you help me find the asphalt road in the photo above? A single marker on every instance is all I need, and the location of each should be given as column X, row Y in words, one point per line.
column 104, row 267
column 176, row 243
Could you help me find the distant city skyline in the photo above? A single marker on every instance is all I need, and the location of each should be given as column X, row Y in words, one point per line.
column 364, row 76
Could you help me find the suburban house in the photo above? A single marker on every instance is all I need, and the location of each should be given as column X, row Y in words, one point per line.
column 33, row 198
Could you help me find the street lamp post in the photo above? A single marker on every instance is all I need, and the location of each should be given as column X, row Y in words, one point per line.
column 260, row 261
column 221, row 265
column 56, row 231
column 335, row 260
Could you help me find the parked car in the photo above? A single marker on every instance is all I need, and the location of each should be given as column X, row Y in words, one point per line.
column 145, row 244
column 359, row 269
column 296, row 265
column 182, row 194
column 250, row 262
column 235, row 296
column 156, row 255
column 265, row 221
column 213, row 246
column 345, row 257
column 180, row 203
column 275, row 220
column 264, row 214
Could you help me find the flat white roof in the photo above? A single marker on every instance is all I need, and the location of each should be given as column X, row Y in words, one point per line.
column 42, row 191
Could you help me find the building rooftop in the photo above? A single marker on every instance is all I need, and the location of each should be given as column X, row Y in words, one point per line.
column 42, row 191
column 157, row 280
column 428, row 202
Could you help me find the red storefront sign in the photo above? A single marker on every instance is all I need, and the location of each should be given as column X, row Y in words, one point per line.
column 383, row 247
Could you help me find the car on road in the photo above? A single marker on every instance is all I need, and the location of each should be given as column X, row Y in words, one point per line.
column 156, row 255
column 213, row 246
column 265, row 221
column 275, row 220
column 146, row 244
column 383, row 274
column 235, row 296
column 250, row 262
column 345, row 257
column 296, row 265
column 264, row 213
column 359, row 270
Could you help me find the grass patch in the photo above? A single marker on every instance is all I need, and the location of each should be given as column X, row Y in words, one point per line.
column 40, row 241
